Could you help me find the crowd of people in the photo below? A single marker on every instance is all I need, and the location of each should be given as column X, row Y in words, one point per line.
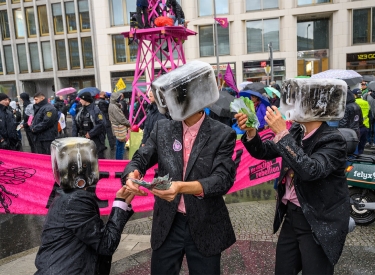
column 96, row 118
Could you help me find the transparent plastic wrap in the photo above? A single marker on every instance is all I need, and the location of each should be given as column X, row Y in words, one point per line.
column 74, row 162
column 305, row 100
column 186, row 90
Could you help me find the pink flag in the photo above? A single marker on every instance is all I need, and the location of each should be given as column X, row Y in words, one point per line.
column 222, row 21
column 229, row 78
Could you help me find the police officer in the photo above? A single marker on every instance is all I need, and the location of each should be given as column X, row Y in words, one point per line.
column 8, row 126
column 103, row 107
column 90, row 123
column 44, row 125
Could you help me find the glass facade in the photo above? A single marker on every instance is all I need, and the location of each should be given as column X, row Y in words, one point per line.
column 71, row 23
column 207, row 39
column 22, row 58
column 260, row 33
column 34, row 57
column 206, row 7
column 364, row 26
column 30, row 20
column 43, row 20
column 8, row 59
column 122, row 52
column 88, row 58
column 74, row 53
column 312, row 2
column 57, row 18
column 313, row 35
column 19, row 24
column 47, row 56
column 61, row 55
column 4, row 21
column 255, row 5
column 84, row 15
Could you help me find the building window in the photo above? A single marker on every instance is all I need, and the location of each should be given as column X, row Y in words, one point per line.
column 84, row 15
column 120, row 11
column 207, row 38
column 57, row 18
column 9, row 59
column 364, row 26
column 312, row 2
column 61, row 55
column 22, row 59
column 260, row 33
column 18, row 22
column 43, row 20
column 3, row 2
column 30, row 19
column 206, row 7
column 88, row 60
column 313, row 35
column 47, row 56
column 15, row 1
column 71, row 22
column 122, row 52
column 74, row 53
column 34, row 57
column 1, row 67
column 253, row 5
column 4, row 25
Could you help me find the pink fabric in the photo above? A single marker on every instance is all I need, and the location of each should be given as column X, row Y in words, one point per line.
column 290, row 192
column 189, row 135
column 30, row 120
column 26, row 179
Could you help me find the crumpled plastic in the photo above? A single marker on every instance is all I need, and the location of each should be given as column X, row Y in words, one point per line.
column 159, row 183
column 245, row 106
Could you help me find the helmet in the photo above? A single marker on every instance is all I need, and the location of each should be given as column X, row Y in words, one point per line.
column 74, row 162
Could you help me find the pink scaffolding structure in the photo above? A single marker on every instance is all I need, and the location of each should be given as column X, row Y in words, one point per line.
column 159, row 51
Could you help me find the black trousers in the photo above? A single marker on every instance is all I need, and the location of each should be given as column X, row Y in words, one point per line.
column 144, row 23
column 296, row 248
column 29, row 135
column 43, row 147
column 168, row 258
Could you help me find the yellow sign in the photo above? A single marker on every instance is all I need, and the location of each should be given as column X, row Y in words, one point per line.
column 119, row 86
column 100, row 116
column 49, row 114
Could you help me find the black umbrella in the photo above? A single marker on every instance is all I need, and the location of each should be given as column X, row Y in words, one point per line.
column 222, row 106
column 368, row 78
column 371, row 86
column 256, row 86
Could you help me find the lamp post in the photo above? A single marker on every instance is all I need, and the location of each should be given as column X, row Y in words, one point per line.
column 307, row 32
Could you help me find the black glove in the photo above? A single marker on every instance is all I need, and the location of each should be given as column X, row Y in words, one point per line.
column 4, row 145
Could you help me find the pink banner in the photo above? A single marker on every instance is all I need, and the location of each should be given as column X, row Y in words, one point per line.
column 27, row 184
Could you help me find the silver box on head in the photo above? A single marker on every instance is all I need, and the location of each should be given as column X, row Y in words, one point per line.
column 74, row 162
column 186, row 90
column 305, row 100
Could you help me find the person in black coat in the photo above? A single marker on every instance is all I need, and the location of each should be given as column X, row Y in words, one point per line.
column 74, row 239
column 353, row 114
column 103, row 105
column 8, row 126
column 178, row 12
column 196, row 152
column 312, row 192
column 44, row 124
column 153, row 115
column 90, row 123
column 26, row 102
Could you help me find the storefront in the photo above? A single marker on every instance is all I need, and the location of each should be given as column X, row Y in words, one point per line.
column 223, row 69
column 312, row 62
column 362, row 63
column 254, row 70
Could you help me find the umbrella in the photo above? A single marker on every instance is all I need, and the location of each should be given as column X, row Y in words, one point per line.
column 256, row 86
column 270, row 91
column 92, row 90
column 243, row 84
column 368, row 78
column 66, row 91
column 371, row 86
column 302, row 76
column 221, row 106
column 349, row 76
column 249, row 93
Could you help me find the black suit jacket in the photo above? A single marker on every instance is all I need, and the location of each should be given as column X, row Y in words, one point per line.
column 210, row 163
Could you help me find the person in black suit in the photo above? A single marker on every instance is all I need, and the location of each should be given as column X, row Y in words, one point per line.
column 191, row 216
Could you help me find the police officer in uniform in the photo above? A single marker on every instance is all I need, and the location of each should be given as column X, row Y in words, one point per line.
column 90, row 123
column 103, row 106
column 8, row 126
column 44, row 125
